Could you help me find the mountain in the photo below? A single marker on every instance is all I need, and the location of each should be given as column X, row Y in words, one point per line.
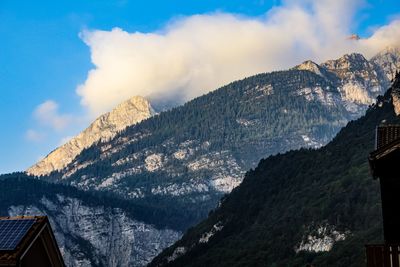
column 197, row 152
column 178, row 164
column 103, row 128
column 357, row 80
column 310, row 206
column 91, row 229
column 389, row 61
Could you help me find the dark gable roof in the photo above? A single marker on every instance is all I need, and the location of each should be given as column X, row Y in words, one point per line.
column 41, row 224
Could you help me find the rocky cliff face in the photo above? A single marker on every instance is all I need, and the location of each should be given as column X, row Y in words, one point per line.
column 300, row 208
column 389, row 61
column 396, row 94
column 103, row 128
column 190, row 156
column 358, row 80
column 98, row 235
column 201, row 150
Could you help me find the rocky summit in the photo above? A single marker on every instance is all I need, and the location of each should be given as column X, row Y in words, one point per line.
column 301, row 208
column 202, row 149
column 185, row 159
column 103, row 128
column 358, row 80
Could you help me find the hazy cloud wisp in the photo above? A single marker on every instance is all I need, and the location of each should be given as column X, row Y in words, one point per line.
column 48, row 115
column 194, row 55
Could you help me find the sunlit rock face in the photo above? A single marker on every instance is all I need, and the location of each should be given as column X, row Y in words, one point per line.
column 389, row 61
column 194, row 154
column 103, row 128
column 310, row 66
column 396, row 103
column 358, row 80
column 191, row 166
column 396, row 97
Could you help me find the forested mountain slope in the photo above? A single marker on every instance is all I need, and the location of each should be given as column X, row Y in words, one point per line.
column 197, row 152
column 177, row 165
column 306, row 206
column 92, row 229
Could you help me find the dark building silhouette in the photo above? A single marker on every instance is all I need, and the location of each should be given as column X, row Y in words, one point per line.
column 385, row 135
column 384, row 163
column 28, row 241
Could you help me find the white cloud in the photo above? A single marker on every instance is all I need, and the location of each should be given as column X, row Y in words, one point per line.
column 196, row 54
column 48, row 114
column 33, row 135
column 388, row 35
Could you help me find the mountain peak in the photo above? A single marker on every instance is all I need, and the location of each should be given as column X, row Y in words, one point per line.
column 393, row 50
column 389, row 60
column 310, row 66
column 138, row 102
column 125, row 114
column 104, row 127
column 351, row 61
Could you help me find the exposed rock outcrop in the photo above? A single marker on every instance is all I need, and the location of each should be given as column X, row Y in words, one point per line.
column 389, row 61
column 97, row 235
column 103, row 128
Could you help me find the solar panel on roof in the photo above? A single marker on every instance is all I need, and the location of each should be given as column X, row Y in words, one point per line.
column 12, row 232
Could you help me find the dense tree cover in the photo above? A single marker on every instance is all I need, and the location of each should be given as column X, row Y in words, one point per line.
column 21, row 189
column 252, row 118
column 273, row 117
column 265, row 218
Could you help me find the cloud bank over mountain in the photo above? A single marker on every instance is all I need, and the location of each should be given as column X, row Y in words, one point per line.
column 193, row 55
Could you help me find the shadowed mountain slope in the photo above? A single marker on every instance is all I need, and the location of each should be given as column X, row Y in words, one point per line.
column 306, row 206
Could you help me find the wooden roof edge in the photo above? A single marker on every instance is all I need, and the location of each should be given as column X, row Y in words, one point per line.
column 54, row 240
column 19, row 217
column 374, row 154
column 11, row 257
column 41, row 224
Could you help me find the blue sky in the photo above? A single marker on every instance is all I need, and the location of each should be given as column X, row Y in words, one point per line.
column 43, row 57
